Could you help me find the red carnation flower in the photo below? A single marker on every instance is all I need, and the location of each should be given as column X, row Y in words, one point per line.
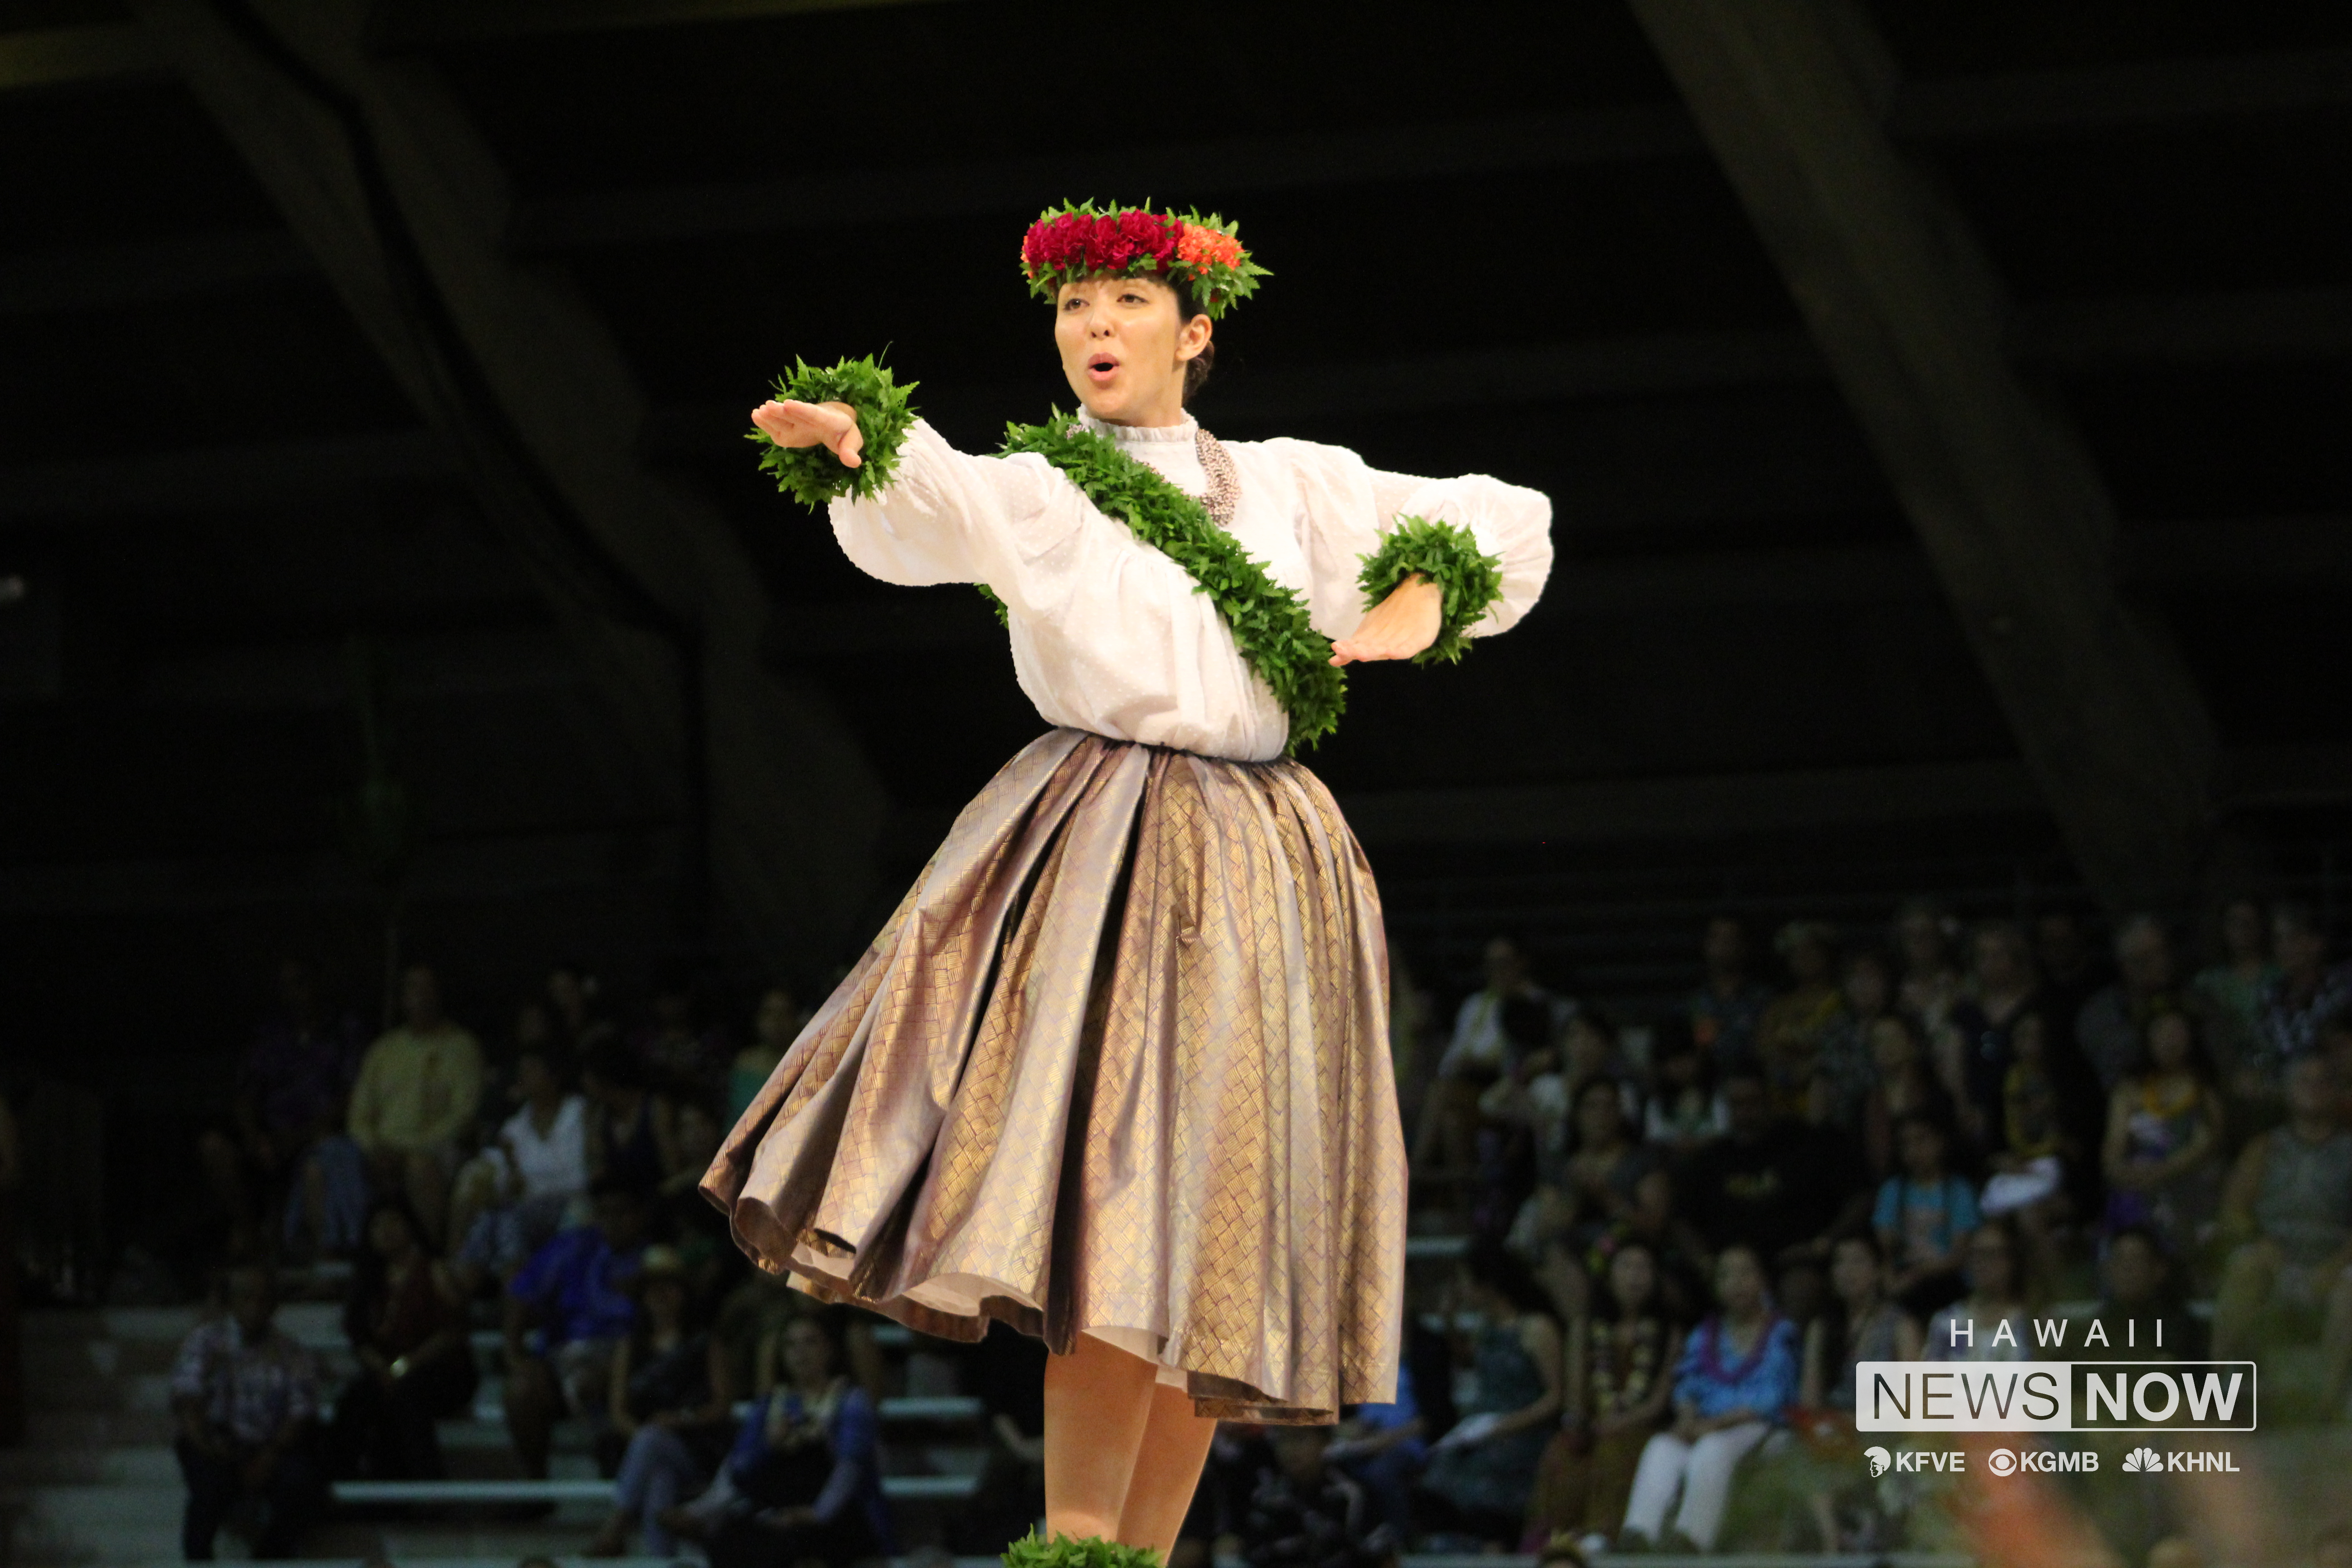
column 1149, row 236
column 1064, row 242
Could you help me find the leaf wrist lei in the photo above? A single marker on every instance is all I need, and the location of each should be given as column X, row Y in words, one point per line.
column 1269, row 622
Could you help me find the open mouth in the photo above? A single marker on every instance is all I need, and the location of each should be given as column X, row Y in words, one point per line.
column 1101, row 366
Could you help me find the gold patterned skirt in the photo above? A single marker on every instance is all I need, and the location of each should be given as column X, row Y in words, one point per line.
column 1118, row 1066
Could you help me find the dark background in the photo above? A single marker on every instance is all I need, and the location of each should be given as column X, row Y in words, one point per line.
column 1500, row 244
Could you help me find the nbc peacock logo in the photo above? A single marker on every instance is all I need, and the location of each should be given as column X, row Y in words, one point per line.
column 2143, row 1458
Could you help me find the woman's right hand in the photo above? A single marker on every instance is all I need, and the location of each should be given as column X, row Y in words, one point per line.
column 832, row 425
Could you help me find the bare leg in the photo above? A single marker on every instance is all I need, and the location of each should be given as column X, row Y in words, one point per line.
column 1167, row 1471
column 1098, row 1402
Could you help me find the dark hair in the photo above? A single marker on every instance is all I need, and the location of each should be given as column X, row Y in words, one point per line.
column 371, row 1278
column 1500, row 1269
column 1197, row 368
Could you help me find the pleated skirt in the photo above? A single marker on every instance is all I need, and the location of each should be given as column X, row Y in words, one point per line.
column 1116, row 1065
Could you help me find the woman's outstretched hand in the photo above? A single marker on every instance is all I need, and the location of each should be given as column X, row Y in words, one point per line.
column 1398, row 627
column 832, row 425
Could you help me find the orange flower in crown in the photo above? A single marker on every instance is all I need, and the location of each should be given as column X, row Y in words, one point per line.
column 1071, row 242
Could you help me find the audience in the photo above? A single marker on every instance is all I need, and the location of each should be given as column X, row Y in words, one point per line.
column 418, row 1089
column 671, row 1403
column 803, row 1479
column 568, row 1313
column 2163, row 1151
column 1735, row 1382
column 2113, row 1024
column 1869, row 1149
column 1992, row 1320
column 1621, row 1361
column 2287, row 1214
column 291, row 1092
column 246, row 1400
column 406, row 1318
column 1728, row 1007
column 516, row 1194
column 1481, row 1469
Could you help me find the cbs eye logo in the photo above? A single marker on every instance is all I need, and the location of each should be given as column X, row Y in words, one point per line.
column 2001, row 1462
column 1879, row 1460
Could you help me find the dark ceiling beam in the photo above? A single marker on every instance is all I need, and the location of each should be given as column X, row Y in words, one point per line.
column 2007, row 504
column 79, row 57
column 225, row 479
column 146, row 272
column 403, row 204
column 416, row 24
column 2133, row 92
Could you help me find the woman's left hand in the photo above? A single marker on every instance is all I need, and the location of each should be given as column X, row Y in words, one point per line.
column 1398, row 627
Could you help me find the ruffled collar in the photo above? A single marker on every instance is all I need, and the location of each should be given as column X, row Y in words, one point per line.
column 1184, row 429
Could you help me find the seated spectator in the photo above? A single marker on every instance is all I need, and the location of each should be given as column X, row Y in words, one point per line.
column 1924, row 1218
column 291, row 1093
column 568, row 1311
column 1931, row 986
column 1735, row 1381
column 1993, row 1320
column 419, row 1086
column 1861, row 1323
column 2142, row 1317
column 1621, row 1361
column 804, row 1478
column 2163, row 1149
column 2230, row 999
column 1904, row 1083
column 2042, row 1144
column 1843, row 1071
column 1384, row 1449
column 515, row 1196
column 576, row 1026
column 671, row 1406
column 1788, row 1037
column 1780, row 1187
column 1591, row 1194
column 681, row 1058
column 1304, row 1513
column 246, row 1400
column 1724, row 1010
column 1478, row 1054
column 407, row 1323
column 1481, row 1469
column 2307, row 993
column 773, row 1028
column 1975, row 1048
column 2287, row 1213
column 1681, row 1110
column 1523, row 1117
column 2112, row 1028
column 632, row 1128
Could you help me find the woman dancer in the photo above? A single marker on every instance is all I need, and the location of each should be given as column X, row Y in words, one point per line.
column 1116, row 1072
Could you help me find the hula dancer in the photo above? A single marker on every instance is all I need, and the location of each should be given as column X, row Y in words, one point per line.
column 1117, row 1071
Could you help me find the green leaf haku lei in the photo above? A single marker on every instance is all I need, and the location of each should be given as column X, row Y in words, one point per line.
column 1269, row 622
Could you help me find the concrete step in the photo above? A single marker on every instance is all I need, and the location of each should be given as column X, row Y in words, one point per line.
column 98, row 1428
column 52, row 1465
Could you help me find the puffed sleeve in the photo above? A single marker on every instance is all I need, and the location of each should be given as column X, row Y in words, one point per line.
column 945, row 516
column 1348, row 507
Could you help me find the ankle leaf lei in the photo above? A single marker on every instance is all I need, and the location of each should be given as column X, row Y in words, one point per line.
column 1269, row 622
column 1444, row 554
column 813, row 475
column 1034, row 1551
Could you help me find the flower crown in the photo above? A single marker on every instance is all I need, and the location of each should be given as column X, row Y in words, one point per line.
column 1071, row 242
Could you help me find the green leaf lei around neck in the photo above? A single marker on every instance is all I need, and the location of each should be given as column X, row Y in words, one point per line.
column 1269, row 622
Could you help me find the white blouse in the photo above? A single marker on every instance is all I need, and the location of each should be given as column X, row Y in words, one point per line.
column 1108, row 634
